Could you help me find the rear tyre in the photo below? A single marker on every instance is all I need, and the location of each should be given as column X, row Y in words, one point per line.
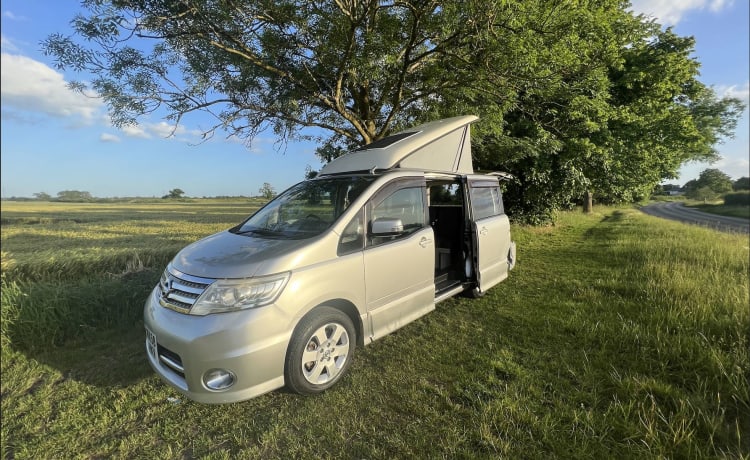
column 320, row 351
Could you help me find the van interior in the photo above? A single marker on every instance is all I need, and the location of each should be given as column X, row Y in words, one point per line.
column 446, row 200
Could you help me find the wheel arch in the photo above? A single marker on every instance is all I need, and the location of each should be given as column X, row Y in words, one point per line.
column 352, row 312
column 344, row 306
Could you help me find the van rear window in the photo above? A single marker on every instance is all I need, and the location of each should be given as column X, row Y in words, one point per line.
column 486, row 202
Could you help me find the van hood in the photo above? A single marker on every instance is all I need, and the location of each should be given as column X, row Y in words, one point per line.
column 228, row 255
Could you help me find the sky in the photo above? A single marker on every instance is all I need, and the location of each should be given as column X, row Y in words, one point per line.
column 53, row 139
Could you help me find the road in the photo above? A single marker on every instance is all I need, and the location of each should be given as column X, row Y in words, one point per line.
column 677, row 211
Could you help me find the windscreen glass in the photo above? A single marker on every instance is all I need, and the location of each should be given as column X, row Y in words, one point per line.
column 307, row 209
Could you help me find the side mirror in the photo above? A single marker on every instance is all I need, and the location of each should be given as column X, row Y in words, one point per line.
column 386, row 226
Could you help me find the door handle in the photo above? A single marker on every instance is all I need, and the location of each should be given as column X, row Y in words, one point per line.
column 424, row 242
column 483, row 231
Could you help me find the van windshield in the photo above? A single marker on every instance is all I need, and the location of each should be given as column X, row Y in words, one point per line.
column 306, row 209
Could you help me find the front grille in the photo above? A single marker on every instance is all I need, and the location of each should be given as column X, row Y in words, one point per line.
column 179, row 291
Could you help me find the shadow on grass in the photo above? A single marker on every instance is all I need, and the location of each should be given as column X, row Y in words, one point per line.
column 90, row 330
column 111, row 359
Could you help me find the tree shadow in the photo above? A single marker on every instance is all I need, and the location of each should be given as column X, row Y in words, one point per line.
column 90, row 330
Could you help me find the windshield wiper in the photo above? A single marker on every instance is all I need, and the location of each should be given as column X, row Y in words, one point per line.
column 259, row 231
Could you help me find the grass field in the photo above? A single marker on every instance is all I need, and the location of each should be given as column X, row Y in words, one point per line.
column 723, row 209
column 618, row 335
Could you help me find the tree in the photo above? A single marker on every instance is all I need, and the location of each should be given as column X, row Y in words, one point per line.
column 74, row 195
column 617, row 124
column 267, row 191
column 664, row 116
column 574, row 100
column 174, row 193
column 310, row 173
column 743, row 183
column 353, row 68
column 710, row 184
column 42, row 196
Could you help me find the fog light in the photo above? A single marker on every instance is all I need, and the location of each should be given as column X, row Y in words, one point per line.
column 218, row 379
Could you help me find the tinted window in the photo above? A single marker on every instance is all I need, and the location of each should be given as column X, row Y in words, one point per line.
column 486, row 202
column 446, row 195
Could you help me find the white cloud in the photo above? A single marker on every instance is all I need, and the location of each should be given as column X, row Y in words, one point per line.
column 670, row 12
column 7, row 44
column 734, row 167
column 106, row 137
column 164, row 129
column 31, row 86
column 741, row 92
column 135, row 131
column 13, row 17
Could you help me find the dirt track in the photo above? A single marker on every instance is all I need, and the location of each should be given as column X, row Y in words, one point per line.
column 677, row 211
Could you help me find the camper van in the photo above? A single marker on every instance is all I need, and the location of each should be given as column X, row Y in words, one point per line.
column 379, row 237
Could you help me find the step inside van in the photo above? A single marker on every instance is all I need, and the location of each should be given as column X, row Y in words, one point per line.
column 375, row 241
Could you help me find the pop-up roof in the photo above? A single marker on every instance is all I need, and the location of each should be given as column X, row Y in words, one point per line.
column 443, row 145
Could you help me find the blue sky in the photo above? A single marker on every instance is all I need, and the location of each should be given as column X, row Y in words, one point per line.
column 54, row 140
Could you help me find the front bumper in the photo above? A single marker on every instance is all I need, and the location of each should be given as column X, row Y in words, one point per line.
column 251, row 344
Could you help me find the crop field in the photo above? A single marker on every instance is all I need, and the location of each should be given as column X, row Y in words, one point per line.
column 618, row 335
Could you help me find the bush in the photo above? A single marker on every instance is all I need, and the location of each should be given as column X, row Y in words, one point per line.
column 737, row 198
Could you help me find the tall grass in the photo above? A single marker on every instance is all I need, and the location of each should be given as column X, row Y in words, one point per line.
column 618, row 335
column 73, row 269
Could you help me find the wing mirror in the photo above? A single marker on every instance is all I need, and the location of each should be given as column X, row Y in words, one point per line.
column 386, row 226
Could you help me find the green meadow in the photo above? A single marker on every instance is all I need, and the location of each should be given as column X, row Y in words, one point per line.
column 618, row 335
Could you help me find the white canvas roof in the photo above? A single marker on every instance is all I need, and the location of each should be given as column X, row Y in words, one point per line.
column 443, row 145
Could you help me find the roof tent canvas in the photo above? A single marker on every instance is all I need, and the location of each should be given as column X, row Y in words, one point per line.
column 443, row 145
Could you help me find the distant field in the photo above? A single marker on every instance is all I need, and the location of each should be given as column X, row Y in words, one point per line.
column 618, row 335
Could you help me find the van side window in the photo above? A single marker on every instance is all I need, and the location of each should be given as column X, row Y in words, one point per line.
column 352, row 239
column 486, row 202
column 406, row 205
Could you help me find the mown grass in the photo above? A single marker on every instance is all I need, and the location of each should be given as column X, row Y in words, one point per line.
column 618, row 335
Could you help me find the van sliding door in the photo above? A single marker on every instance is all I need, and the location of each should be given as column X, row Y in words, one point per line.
column 491, row 232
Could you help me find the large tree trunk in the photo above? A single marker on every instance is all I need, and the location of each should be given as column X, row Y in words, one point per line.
column 588, row 202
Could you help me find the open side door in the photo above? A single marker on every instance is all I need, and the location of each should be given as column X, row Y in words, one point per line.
column 490, row 231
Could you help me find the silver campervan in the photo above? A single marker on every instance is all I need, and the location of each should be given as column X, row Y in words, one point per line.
column 372, row 243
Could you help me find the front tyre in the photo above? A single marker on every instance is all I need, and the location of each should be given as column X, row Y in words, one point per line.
column 320, row 351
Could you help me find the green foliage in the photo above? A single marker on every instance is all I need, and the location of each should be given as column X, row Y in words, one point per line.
column 743, row 183
column 354, row 69
column 618, row 335
column 737, row 198
column 267, row 191
column 710, row 184
column 574, row 99
column 74, row 196
column 42, row 196
column 174, row 193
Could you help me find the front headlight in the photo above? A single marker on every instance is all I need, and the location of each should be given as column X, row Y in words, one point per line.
column 232, row 295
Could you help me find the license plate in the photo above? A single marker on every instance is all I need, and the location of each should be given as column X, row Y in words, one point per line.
column 151, row 343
